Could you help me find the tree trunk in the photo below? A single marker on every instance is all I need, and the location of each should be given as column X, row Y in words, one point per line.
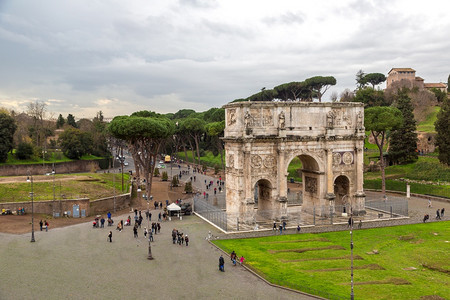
column 185, row 153
column 197, row 148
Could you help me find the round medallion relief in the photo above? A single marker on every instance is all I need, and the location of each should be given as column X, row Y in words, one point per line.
column 336, row 158
column 256, row 161
column 269, row 161
column 347, row 158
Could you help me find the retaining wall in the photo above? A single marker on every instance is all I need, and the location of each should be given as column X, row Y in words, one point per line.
column 77, row 166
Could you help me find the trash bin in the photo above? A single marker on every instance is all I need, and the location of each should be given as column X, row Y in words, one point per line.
column 291, row 180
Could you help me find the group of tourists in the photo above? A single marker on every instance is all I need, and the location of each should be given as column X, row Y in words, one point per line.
column 234, row 260
column 280, row 228
column 439, row 215
column 179, row 238
column 43, row 225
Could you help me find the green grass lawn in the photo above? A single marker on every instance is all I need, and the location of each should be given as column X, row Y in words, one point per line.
column 209, row 159
column 322, row 261
column 53, row 157
column 89, row 185
column 428, row 124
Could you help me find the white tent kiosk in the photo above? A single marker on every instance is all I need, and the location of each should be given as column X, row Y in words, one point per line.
column 173, row 209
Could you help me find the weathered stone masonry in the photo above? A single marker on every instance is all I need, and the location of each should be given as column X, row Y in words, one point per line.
column 262, row 138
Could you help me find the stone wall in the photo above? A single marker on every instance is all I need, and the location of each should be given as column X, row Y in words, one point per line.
column 60, row 168
column 92, row 208
column 48, row 207
column 107, row 204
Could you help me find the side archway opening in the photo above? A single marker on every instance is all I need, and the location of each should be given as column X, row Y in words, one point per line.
column 342, row 190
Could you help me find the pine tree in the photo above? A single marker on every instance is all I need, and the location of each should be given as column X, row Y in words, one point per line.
column 71, row 121
column 442, row 126
column 60, row 122
column 403, row 141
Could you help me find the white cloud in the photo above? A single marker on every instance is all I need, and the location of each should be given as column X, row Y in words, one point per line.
column 119, row 57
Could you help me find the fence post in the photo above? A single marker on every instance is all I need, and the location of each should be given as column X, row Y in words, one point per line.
column 391, row 212
column 314, row 215
column 237, row 223
column 331, row 215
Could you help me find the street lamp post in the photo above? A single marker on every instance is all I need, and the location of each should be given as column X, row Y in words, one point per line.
column 149, row 257
column 30, row 179
column 54, row 198
column 352, row 296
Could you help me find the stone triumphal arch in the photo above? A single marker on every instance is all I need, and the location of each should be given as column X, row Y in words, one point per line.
column 262, row 138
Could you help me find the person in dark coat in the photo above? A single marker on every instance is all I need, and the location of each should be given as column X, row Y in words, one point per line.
column 442, row 212
column 110, row 236
column 186, row 239
column 221, row 264
column 135, row 231
column 438, row 216
column 41, row 224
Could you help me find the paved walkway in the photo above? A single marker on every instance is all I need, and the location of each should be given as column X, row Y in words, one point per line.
column 77, row 262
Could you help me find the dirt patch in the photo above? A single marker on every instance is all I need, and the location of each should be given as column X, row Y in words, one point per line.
column 356, row 257
column 406, row 237
column 20, row 224
column 435, row 268
column 333, row 247
column 431, row 297
column 365, row 267
column 296, row 241
column 394, row 281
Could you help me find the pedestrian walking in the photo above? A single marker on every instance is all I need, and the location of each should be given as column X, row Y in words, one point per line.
column 41, row 224
column 158, row 226
column 284, row 225
column 186, row 239
column 135, row 231
column 46, row 225
column 426, row 217
column 159, row 217
column 145, row 232
column 274, row 228
column 241, row 260
column 360, row 224
column 442, row 212
column 233, row 258
column 102, row 222
column 110, row 236
column 298, row 228
column 221, row 264
column 174, row 236
column 438, row 215
column 429, row 203
column 281, row 229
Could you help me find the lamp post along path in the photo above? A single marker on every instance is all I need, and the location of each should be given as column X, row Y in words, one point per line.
column 30, row 179
column 149, row 257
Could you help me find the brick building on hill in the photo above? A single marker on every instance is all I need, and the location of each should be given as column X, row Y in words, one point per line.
column 407, row 77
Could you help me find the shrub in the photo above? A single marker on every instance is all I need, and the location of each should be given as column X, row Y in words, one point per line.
column 24, row 151
column 175, row 181
column 156, row 173
column 164, row 176
column 188, row 187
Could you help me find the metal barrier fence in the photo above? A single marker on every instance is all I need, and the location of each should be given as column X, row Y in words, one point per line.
column 394, row 207
column 210, row 212
column 295, row 198
column 295, row 214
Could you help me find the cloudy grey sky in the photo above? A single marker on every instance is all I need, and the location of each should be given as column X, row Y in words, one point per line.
column 82, row 56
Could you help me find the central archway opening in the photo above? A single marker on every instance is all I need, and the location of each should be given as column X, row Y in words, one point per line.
column 303, row 180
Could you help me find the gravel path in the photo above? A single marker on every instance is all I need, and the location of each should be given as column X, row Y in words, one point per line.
column 77, row 262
